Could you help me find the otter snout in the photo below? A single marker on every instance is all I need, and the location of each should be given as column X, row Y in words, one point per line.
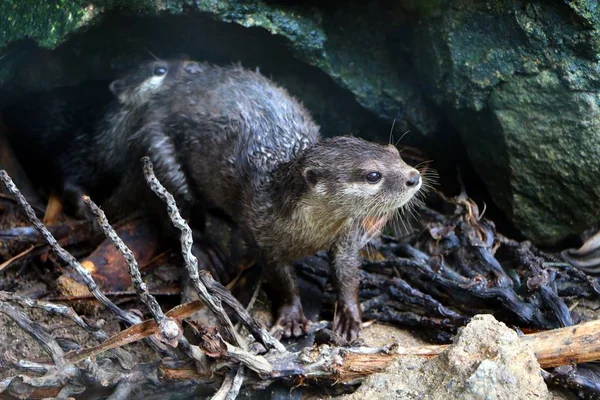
column 414, row 178
column 408, row 184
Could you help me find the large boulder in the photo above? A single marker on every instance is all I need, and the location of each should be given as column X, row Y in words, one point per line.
column 520, row 81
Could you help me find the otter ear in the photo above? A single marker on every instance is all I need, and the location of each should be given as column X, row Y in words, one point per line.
column 116, row 87
column 311, row 176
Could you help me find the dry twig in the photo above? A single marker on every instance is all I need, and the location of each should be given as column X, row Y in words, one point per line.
column 71, row 372
column 203, row 283
column 170, row 331
column 124, row 357
column 47, row 342
column 125, row 316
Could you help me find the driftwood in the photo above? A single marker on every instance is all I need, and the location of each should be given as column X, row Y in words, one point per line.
column 350, row 365
column 224, row 362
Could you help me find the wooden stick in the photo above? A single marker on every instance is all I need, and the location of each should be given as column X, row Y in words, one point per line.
column 127, row 317
column 571, row 345
column 574, row 344
column 203, row 283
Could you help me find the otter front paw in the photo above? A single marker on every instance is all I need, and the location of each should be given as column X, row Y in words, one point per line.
column 347, row 321
column 291, row 321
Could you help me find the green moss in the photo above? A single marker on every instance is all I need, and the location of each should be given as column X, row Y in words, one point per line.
column 299, row 26
column 46, row 22
column 485, row 63
column 589, row 12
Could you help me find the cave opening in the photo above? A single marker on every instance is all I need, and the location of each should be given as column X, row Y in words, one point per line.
column 122, row 40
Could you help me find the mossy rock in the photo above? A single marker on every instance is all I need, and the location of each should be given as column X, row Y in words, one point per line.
column 520, row 82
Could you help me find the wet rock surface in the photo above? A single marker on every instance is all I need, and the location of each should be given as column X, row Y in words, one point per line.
column 486, row 361
column 518, row 81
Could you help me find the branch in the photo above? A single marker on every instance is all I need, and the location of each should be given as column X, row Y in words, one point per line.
column 45, row 340
column 191, row 262
column 25, row 365
column 570, row 345
column 203, row 282
column 320, row 365
column 169, row 330
column 124, row 357
column 256, row 329
column 125, row 316
column 231, row 385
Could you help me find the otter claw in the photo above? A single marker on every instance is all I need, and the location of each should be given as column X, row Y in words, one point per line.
column 347, row 321
column 293, row 327
column 292, row 322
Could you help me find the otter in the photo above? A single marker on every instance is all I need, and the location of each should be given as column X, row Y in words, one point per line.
column 234, row 140
column 56, row 134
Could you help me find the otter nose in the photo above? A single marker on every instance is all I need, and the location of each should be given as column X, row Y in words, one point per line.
column 413, row 179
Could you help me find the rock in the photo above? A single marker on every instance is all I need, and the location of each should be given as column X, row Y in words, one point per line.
column 520, row 82
column 47, row 23
column 334, row 42
column 349, row 44
column 487, row 361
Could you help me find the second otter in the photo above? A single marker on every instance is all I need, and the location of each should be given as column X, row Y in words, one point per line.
column 233, row 139
column 74, row 139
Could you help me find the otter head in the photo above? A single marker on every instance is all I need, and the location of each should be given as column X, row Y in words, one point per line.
column 359, row 179
column 140, row 83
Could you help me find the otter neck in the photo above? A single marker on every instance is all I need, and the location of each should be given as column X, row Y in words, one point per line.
column 299, row 215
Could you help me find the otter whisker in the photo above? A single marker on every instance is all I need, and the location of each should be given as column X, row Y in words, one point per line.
column 483, row 211
column 392, row 132
column 152, row 54
column 402, row 219
column 401, row 137
column 422, row 163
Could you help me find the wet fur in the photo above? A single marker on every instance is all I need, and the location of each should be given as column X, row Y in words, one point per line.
column 232, row 139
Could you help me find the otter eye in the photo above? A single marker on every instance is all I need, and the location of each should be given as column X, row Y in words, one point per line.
column 373, row 177
column 160, row 71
